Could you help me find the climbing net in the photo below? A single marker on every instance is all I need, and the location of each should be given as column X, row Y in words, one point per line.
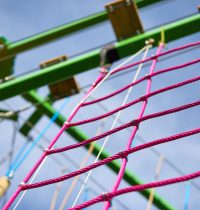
column 134, row 124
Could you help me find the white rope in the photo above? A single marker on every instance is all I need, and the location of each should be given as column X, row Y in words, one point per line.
column 47, row 140
column 82, row 164
column 83, row 100
column 31, row 181
column 114, row 123
column 107, row 75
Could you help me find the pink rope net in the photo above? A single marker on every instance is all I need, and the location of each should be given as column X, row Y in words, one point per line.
column 107, row 197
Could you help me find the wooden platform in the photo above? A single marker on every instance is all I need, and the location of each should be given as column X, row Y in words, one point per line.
column 125, row 19
column 64, row 88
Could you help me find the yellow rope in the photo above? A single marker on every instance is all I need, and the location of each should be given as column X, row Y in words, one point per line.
column 162, row 36
column 90, row 150
column 73, row 185
column 157, row 174
column 55, row 195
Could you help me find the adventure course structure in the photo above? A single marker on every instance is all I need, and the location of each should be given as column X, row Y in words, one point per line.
column 121, row 119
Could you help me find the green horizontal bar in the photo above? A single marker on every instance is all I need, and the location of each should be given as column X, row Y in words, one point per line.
column 55, row 33
column 61, row 31
column 90, row 60
column 79, row 136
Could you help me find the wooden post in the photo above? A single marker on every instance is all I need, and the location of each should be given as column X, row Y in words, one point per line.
column 4, row 185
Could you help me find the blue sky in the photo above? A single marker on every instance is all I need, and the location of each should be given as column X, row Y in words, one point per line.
column 22, row 18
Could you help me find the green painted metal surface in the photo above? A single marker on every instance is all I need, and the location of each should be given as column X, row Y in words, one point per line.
column 33, row 119
column 61, row 31
column 76, row 133
column 31, row 122
column 36, row 116
column 20, row 85
column 90, row 60
column 6, row 66
column 8, row 115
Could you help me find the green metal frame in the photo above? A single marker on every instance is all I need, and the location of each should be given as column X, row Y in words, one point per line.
column 83, row 63
column 75, row 132
column 4, row 116
column 90, row 60
column 33, row 119
column 6, row 66
column 61, row 31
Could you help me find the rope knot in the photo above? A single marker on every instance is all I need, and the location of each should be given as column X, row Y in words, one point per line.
column 154, row 57
column 47, row 150
column 123, row 155
column 143, row 98
column 66, row 124
column 11, row 174
column 149, row 41
column 22, row 185
column 135, row 123
column 104, row 70
column 147, row 76
column 105, row 197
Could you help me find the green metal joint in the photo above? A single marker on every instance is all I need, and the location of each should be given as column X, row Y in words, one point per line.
column 79, row 136
column 7, row 65
column 91, row 60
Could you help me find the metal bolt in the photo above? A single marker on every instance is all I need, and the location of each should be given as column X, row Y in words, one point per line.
column 128, row 2
column 110, row 8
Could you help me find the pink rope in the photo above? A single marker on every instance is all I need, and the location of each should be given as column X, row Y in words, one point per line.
column 142, row 98
column 122, row 154
column 141, row 80
column 136, row 188
column 19, row 189
column 156, row 56
column 35, row 167
column 132, row 123
column 135, row 128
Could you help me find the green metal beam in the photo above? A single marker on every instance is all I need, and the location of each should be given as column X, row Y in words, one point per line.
column 54, row 34
column 75, row 132
column 8, row 115
column 61, row 31
column 33, row 119
column 6, row 66
column 90, row 60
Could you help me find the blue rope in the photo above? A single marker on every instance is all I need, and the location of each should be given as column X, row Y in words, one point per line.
column 19, row 154
column 187, row 195
column 18, row 161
